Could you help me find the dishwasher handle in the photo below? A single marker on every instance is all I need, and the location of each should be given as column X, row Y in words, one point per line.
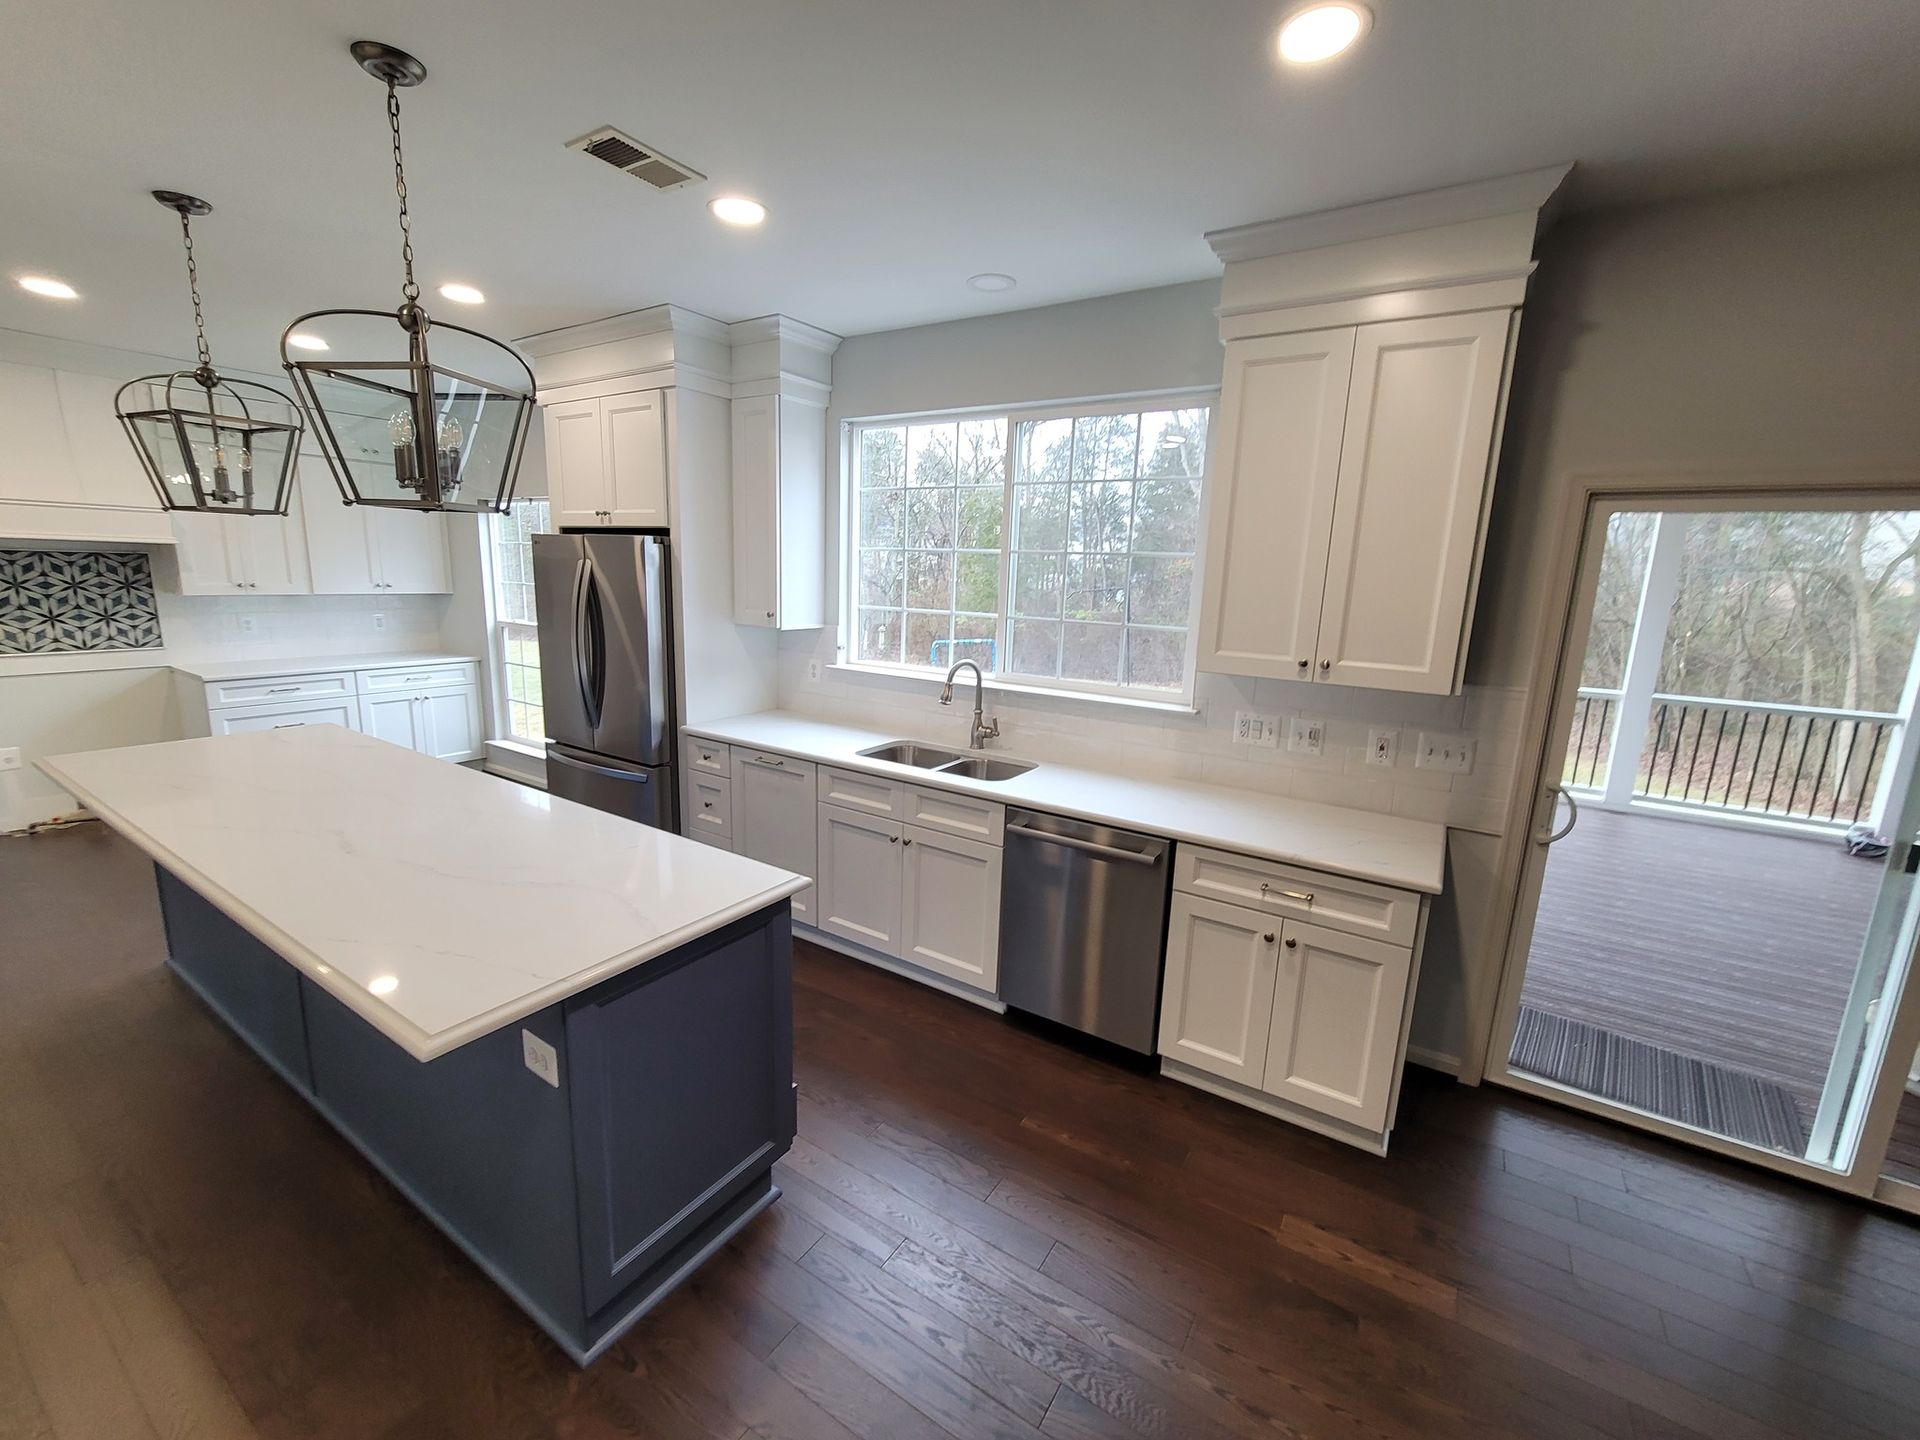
column 1092, row 847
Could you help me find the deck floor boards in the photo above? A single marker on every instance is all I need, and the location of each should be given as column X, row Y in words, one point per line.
column 986, row 1234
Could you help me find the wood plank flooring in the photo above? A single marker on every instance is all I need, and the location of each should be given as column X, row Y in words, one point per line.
column 984, row 1235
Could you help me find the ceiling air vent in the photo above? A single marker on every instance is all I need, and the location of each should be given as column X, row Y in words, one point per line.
column 623, row 152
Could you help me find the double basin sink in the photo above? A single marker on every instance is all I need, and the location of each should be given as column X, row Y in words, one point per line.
column 947, row 762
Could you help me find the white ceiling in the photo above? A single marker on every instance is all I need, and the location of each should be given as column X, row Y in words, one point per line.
column 900, row 146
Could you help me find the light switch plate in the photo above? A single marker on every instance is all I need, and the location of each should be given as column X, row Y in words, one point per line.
column 1306, row 736
column 1252, row 728
column 379, row 620
column 1451, row 753
column 10, row 758
column 541, row 1058
column 1383, row 745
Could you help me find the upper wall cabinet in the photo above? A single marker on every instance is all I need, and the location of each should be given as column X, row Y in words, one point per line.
column 1344, row 526
column 779, row 512
column 607, row 461
column 232, row 554
column 1368, row 352
column 68, row 472
column 367, row 549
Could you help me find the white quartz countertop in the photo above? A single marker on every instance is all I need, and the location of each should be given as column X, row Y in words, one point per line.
column 312, row 664
column 1388, row 849
column 437, row 902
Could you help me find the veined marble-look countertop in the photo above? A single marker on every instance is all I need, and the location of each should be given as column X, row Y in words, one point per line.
column 437, row 903
column 1388, row 849
column 312, row 664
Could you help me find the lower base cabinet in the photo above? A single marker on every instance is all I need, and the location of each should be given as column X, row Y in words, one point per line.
column 1303, row 1013
column 441, row 723
column 284, row 716
column 432, row 708
column 859, row 881
column 773, row 816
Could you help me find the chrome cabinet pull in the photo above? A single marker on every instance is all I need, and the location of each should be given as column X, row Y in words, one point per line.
column 1305, row 897
column 1268, row 937
column 906, row 842
column 1292, row 944
column 282, row 689
column 1325, row 666
column 767, row 760
column 1305, row 663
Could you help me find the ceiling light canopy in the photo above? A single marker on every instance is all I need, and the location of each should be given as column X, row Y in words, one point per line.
column 48, row 288
column 462, row 294
column 737, row 210
column 208, row 443
column 1320, row 32
column 402, row 428
column 991, row 282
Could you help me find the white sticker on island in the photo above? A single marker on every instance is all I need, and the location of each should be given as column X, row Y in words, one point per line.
column 541, row 1058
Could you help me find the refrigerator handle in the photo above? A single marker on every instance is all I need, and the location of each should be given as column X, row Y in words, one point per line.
column 581, row 662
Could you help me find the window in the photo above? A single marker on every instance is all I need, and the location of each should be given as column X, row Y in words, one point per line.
column 516, row 637
column 1055, row 549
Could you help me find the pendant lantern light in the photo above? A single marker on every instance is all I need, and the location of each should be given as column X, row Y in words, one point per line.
column 207, row 442
column 400, row 428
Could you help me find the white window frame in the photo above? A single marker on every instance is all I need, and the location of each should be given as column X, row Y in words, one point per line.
column 1013, row 416
column 500, row 699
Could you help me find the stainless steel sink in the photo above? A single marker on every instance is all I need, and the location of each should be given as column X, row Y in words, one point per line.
column 986, row 767
column 908, row 752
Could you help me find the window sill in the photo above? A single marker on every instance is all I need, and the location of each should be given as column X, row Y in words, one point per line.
column 933, row 682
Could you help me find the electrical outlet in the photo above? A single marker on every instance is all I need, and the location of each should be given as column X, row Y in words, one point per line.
column 1383, row 745
column 248, row 624
column 1251, row 728
column 1304, row 736
column 10, row 758
column 813, row 671
column 1451, row 753
column 541, row 1058
column 379, row 620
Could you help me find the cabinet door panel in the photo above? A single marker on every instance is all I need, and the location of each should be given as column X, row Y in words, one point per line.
column 108, row 471
column 39, row 463
column 756, row 510
column 858, row 895
column 775, row 817
column 449, row 724
column 1336, row 1023
column 409, row 552
column 950, row 902
column 636, row 443
column 205, row 555
column 275, row 550
column 1413, row 473
column 285, row 717
column 1218, row 996
column 339, row 543
column 576, row 463
column 393, row 718
column 1270, row 506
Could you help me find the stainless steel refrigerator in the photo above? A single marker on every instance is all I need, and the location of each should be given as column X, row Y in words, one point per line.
column 606, row 672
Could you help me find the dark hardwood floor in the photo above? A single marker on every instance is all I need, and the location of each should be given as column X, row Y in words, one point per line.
column 983, row 1234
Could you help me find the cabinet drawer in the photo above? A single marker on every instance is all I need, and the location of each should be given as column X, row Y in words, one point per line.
column 773, row 760
column 241, row 720
column 1358, row 907
column 415, row 677
column 954, row 814
column 272, row 690
column 708, row 755
column 862, row 792
column 710, row 809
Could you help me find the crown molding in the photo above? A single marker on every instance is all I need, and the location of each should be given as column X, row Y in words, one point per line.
column 631, row 325
column 783, row 328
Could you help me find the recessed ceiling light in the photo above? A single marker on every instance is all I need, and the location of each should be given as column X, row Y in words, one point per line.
column 300, row 340
column 51, row 289
column 737, row 210
column 462, row 294
column 991, row 281
column 1321, row 32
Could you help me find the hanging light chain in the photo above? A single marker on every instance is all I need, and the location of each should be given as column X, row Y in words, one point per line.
column 193, row 288
column 409, row 289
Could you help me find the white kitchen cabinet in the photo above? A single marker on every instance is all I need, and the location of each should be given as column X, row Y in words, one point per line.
column 368, row 549
column 71, row 473
column 285, row 716
column 1276, row 462
column 1334, row 1038
column 1217, row 995
column 1348, row 501
column 775, row 817
column 859, row 878
column 235, row 554
column 393, row 718
column 779, row 512
column 706, row 808
column 607, row 461
column 443, row 723
column 950, row 906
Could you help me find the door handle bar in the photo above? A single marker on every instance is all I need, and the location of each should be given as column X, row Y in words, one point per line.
column 1092, row 847
column 1550, row 835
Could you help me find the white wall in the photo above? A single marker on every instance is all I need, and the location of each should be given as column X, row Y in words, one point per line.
column 1149, row 340
column 1775, row 329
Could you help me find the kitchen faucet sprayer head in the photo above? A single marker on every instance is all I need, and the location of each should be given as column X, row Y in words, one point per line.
column 946, row 693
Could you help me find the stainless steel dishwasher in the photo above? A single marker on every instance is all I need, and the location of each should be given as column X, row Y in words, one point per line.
column 1083, row 925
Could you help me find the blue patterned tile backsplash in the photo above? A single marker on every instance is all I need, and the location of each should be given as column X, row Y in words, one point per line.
column 63, row 600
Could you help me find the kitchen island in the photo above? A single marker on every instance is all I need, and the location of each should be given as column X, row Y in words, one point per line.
column 565, row 1037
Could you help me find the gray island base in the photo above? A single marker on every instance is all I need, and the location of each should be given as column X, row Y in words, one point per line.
column 588, row 1157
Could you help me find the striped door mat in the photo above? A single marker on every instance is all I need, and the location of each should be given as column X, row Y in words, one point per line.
column 1734, row 1103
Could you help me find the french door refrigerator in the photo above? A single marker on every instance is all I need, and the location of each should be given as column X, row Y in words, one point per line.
column 606, row 672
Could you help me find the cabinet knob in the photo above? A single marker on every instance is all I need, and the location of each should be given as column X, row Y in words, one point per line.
column 707, row 804
column 769, row 614
column 893, row 839
column 1292, row 944
column 1268, row 937
column 1305, row 663
column 1325, row 666
column 906, row 842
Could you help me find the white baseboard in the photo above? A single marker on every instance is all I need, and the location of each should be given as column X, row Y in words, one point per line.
column 1434, row 1060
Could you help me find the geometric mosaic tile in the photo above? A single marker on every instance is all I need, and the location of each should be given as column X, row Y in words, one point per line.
column 60, row 600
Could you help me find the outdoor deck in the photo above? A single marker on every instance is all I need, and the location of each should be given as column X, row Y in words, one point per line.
column 1733, row 946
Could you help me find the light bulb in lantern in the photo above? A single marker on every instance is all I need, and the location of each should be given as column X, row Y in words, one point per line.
column 447, row 437
column 400, row 434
